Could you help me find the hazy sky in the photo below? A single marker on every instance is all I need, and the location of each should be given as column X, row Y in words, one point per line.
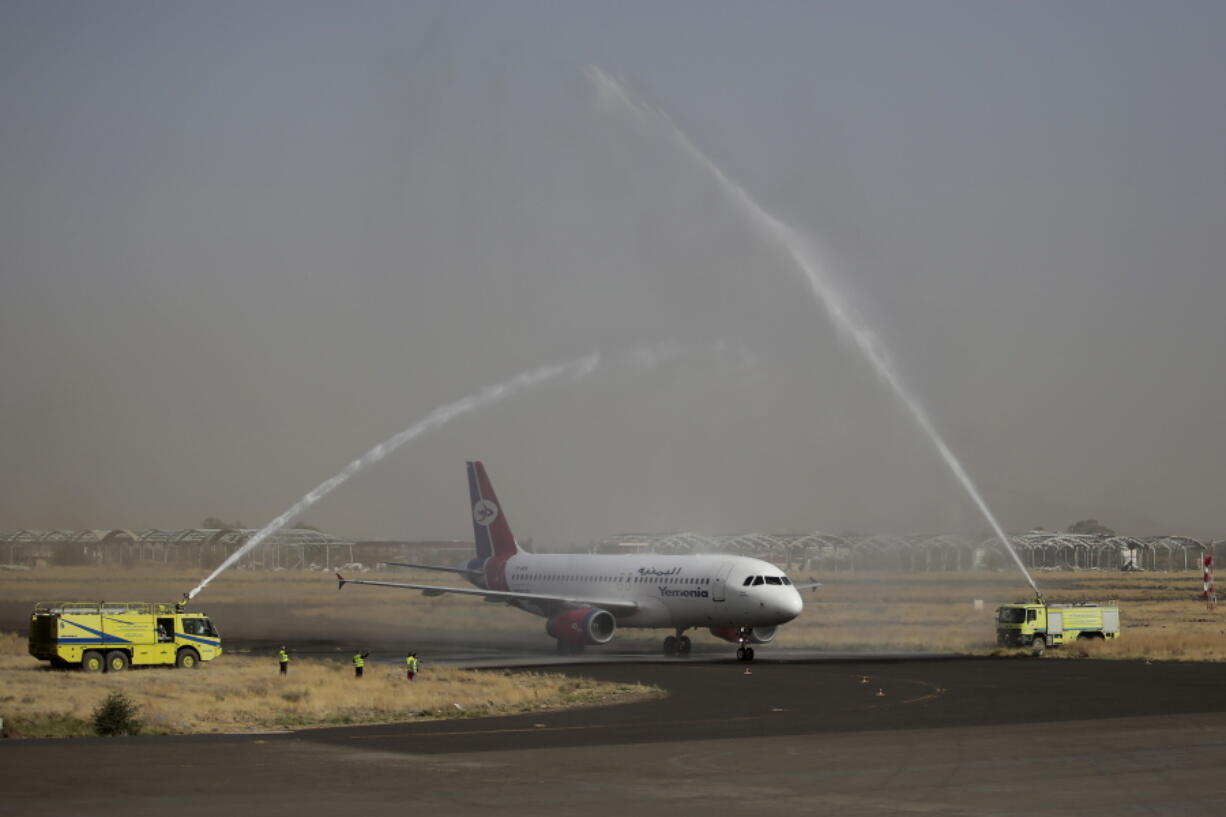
column 241, row 243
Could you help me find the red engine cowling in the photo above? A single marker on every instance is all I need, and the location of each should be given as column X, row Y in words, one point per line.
column 587, row 625
column 755, row 635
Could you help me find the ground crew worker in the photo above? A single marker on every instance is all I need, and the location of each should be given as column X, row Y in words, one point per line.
column 411, row 665
column 359, row 661
column 283, row 659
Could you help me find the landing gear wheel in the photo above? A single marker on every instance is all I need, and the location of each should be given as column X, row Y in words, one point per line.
column 684, row 645
column 188, row 659
column 116, row 661
column 670, row 645
column 1038, row 645
column 92, row 661
column 740, row 654
column 749, row 653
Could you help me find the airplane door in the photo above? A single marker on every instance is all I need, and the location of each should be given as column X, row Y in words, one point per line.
column 721, row 578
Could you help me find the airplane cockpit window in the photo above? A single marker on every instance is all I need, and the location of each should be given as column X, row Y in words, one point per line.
column 748, row 581
column 773, row 580
column 787, row 581
column 757, row 580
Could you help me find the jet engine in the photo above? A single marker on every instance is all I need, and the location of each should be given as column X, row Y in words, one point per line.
column 756, row 635
column 587, row 625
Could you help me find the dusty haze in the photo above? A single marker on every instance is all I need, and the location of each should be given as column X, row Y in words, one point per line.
column 242, row 243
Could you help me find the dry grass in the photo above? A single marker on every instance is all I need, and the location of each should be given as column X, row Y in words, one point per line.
column 241, row 694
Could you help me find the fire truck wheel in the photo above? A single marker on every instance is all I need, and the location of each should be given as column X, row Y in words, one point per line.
column 116, row 661
column 92, row 661
column 1038, row 645
column 188, row 659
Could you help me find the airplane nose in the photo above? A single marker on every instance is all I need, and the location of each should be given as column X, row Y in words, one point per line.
column 791, row 604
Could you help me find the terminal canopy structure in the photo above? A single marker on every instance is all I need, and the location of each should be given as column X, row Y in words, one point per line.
column 305, row 549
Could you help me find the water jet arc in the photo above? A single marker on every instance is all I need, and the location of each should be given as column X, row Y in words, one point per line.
column 639, row 359
column 796, row 249
column 580, row 367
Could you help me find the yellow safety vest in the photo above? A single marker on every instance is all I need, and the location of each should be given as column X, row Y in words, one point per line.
column 412, row 662
column 282, row 656
column 357, row 660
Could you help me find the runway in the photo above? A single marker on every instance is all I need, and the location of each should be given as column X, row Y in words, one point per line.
column 847, row 737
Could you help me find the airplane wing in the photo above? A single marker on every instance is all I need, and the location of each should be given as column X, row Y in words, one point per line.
column 618, row 607
column 809, row 585
column 464, row 571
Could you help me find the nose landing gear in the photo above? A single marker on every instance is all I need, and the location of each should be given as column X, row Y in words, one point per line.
column 743, row 653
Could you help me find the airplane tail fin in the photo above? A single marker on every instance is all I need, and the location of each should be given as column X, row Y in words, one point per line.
column 490, row 529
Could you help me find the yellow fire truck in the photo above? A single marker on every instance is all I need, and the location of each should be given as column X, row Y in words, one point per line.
column 1039, row 625
column 116, row 635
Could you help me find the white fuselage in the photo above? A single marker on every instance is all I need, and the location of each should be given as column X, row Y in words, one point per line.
column 668, row 591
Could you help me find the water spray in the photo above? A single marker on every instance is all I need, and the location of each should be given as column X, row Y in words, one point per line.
column 637, row 360
column 578, row 368
column 798, row 250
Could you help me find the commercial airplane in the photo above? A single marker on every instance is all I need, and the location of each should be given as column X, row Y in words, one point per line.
column 586, row 597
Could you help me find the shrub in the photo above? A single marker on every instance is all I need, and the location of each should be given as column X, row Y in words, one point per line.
column 116, row 716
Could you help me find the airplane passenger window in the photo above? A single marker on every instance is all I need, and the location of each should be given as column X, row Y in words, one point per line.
column 757, row 580
column 773, row 580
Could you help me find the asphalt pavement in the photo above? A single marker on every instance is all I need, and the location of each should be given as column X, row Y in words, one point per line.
column 797, row 734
